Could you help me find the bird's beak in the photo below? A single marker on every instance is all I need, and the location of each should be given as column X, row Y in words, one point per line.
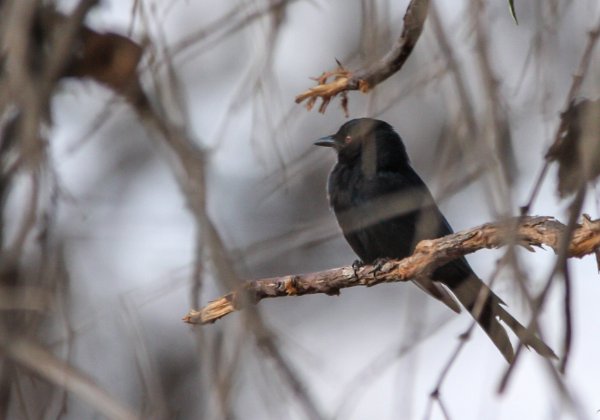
column 327, row 141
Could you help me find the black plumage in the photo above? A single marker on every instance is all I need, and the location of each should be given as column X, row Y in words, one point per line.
column 384, row 209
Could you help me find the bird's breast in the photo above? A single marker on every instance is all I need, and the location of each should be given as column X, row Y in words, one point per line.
column 344, row 188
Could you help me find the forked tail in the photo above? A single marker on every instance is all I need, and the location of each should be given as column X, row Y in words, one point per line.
column 487, row 310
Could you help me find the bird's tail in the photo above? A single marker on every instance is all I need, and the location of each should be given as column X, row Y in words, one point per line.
column 487, row 310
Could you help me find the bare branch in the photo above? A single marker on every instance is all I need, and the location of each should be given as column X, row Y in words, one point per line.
column 367, row 78
column 527, row 231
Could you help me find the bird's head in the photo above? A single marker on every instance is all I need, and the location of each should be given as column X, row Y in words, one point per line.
column 368, row 141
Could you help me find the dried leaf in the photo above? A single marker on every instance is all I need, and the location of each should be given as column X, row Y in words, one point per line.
column 578, row 149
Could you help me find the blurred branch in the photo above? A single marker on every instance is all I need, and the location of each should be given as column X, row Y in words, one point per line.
column 497, row 124
column 238, row 18
column 525, row 231
column 367, row 78
column 35, row 358
column 457, row 75
column 189, row 165
column 578, row 77
column 563, row 250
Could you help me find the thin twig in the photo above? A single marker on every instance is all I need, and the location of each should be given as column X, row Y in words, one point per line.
column 568, row 319
column 497, row 116
column 454, row 71
column 562, row 266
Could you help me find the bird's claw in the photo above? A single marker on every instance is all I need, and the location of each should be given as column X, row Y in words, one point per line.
column 356, row 265
column 378, row 265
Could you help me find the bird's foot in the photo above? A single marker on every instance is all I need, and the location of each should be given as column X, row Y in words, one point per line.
column 378, row 265
column 356, row 265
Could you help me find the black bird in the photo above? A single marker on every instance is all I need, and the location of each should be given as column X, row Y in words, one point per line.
column 384, row 209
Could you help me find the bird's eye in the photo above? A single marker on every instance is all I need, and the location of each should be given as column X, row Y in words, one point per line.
column 347, row 140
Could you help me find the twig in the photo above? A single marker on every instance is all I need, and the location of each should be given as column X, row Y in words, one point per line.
column 584, row 65
column 530, row 231
column 536, row 189
column 568, row 319
column 562, row 266
column 367, row 78
column 500, row 136
column 233, row 21
column 458, row 77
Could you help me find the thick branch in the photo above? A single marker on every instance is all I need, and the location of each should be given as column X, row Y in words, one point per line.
column 527, row 231
column 365, row 79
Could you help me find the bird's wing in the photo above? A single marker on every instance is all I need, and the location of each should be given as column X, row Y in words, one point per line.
column 389, row 211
